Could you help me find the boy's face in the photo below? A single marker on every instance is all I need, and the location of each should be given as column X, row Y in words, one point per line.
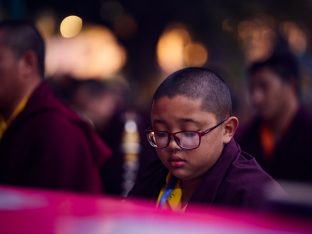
column 181, row 113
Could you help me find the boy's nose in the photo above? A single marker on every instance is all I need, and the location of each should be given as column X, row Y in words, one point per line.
column 173, row 142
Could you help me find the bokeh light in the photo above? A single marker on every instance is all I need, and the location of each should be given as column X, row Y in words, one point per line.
column 195, row 54
column 296, row 37
column 175, row 49
column 256, row 38
column 71, row 26
column 95, row 52
column 46, row 24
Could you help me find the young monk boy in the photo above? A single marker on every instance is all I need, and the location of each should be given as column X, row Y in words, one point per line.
column 192, row 131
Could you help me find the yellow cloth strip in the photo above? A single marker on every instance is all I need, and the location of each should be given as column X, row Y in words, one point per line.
column 5, row 124
column 174, row 201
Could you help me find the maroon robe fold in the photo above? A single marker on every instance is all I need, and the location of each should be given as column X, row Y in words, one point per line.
column 291, row 159
column 49, row 146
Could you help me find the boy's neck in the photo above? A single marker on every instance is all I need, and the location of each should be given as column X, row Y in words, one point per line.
column 188, row 188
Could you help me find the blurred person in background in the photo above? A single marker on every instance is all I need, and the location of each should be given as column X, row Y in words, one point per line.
column 105, row 104
column 280, row 133
column 43, row 144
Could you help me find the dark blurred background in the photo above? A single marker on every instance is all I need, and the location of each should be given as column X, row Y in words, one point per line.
column 137, row 43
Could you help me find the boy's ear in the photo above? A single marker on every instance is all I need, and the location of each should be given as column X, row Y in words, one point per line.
column 230, row 126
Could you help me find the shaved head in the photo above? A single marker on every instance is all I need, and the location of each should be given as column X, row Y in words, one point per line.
column 198, row 83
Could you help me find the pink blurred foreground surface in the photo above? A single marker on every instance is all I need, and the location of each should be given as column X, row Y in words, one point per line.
column 37, row 211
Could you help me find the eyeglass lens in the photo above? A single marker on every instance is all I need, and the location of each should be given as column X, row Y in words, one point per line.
column 186, row 140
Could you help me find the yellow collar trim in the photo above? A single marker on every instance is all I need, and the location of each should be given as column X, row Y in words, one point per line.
column 4, row 124
column 170, row 196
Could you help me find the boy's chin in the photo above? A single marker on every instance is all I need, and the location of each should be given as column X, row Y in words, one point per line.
column 182, row 175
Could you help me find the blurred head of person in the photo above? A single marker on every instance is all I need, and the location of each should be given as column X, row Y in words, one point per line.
column 94, row 100
column 274, row 86
column 22, row 52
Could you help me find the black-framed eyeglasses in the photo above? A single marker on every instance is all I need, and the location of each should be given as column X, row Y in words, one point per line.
column 185, row 139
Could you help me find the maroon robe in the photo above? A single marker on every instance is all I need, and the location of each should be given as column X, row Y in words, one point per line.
column 236, row 180
column 291, row 159
column 49, row 146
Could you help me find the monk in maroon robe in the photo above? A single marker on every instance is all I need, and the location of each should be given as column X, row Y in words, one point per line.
column 280, row 133
column 42, row 143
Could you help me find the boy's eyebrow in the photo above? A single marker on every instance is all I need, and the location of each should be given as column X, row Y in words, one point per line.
column 191, row 121
column 158, row 121
column 182, row 121
column 188, row 120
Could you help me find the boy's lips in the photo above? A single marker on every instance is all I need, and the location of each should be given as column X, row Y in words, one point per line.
column 176, row 162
